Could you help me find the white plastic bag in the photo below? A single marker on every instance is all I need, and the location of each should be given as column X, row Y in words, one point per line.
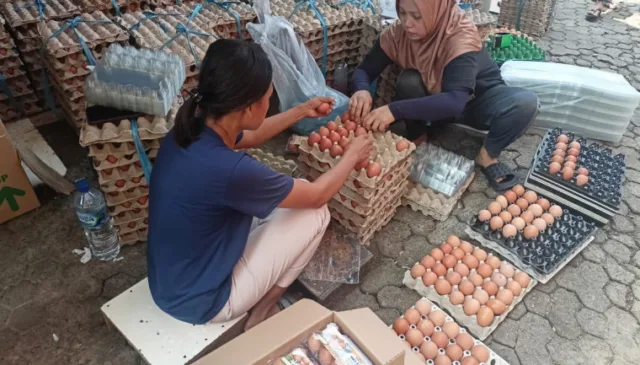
column 291, row 60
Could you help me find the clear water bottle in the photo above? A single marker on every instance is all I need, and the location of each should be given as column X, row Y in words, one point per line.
column 92, row 213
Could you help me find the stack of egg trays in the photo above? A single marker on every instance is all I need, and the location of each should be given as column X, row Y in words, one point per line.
column 67, row 62
column 156, row 33
column 345, row 30
column 124, row 6
column 120, row 174
column 363, row 205
column 386, row 88
column 215, row 19
column 16, row 92
column 23, row 17
column 535, row 16
column 431, row 203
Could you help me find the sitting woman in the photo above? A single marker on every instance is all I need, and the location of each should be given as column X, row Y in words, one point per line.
column 447, row 76
column 227, row 234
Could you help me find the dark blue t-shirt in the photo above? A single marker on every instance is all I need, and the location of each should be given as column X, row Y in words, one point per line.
column 201, row 204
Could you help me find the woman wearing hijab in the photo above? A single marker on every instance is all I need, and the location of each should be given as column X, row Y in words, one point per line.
column 447, row 76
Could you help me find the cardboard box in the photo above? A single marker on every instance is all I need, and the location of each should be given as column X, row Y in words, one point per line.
column 16, row 193
column 280, row 334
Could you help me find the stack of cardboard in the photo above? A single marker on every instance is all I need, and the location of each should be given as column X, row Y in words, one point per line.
column 227, row 20
column 532, row 17
column 68, row 50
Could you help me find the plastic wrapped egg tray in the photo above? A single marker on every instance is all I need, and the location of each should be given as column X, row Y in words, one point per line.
column 277, row 163
column 216, row 20
column 133, row 226
column 451, row 341
column 431, row 203
column 133, row 237
column 489, row 282
column 149, row 128
column 124, row 184
column 21, row 12
column 122, row 172
column 601, row 196
column 113, row 161
column 139, row 203
column 151, row 34
column 130, row 216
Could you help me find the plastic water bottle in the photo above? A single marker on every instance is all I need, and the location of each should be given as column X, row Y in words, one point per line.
column 91, row 210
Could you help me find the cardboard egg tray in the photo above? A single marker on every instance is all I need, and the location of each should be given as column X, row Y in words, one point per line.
column 150, row 35
column 362, row 221
column 133, row 237
column 219, row 21
column 494, row 359
column 149, row 127
column 113, row 161
column 12, row 71
column 32, row 106
column 277, row 163
column 121, row 172
column 124, row 184
column 130, row 216
column 535, row 16
column 118, row 197
column 364, row 234
column 23, row 12
column 140, row 203
column 457, row 311
column 133, row 226
column 125, row 6
column 386, row 90
column 18, row 85
column 103, row 150
column 431, row 203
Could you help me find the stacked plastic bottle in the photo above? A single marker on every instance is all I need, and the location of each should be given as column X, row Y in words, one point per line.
column 369, row 198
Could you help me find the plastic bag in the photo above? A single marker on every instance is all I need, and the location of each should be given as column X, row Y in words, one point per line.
column 337, row 259
column 440, row 170
column 291, row 60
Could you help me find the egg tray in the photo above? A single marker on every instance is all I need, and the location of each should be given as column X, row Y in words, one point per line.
column 6, row 103
column 127, row 216
column 606, row 171
column 431, row 203
column 150, row 35
column 112, row 161
column 133, row 226
column 457, row 311
column 124, row 184
column 106, row 6
column 149, row 127
column 121, row 172
column 103, row 150
column 365, row 234
column 220, row 21
column 21, row 12
column 118, row 197
column 277, row 163
column 19, row 86
column 140, row 203
column 362, row 212
column 77, row 118
column 11, row 72
column 535, row 16
column 133, row 237
column 494, row 359
column 357, row 220
column 386, row 90
column 8, row 112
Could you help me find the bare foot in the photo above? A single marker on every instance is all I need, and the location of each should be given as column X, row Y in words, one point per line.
column 258, row 315
column 273, row 311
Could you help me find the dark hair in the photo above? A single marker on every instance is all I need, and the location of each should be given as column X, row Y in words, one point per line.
column 233, row 75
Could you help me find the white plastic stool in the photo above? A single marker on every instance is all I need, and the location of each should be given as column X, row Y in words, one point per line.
column 159, row 338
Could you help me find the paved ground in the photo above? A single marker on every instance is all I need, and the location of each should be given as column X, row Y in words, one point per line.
column 589, row 314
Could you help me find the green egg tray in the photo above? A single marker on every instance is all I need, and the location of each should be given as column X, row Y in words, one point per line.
column 520, row 49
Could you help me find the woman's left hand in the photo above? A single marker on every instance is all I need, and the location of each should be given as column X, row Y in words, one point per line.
column 379, row 119
column 317, row 107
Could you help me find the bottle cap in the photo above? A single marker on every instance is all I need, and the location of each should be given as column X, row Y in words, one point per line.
column 82, row 185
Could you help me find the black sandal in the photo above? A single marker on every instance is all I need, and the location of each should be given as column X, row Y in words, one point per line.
column 500, row 170
column 594, row 15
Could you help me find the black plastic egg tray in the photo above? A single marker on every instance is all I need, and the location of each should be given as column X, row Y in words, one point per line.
column 545, row 255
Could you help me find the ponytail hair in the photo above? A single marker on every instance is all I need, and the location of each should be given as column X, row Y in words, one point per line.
column 233, row 76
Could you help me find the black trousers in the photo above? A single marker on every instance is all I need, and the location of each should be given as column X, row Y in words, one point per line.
column 506, row 112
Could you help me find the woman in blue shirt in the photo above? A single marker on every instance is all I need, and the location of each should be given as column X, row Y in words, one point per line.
column 228, row 234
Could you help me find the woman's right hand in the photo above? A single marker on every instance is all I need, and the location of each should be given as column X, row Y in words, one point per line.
column 360, row 104
column 360, row 148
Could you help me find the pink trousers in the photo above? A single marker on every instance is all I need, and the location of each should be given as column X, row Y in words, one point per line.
column 278, row 249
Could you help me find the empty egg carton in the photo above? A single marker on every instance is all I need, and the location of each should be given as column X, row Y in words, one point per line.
column 120, row 172
column 363, row 221
column 18, row 86
column 124, row 184
column 364, row 234
column 218, row 18
column 133, row 237
column 277, row 163
column 133, row 226
column 431, row 203
column 21, row 12
column 140, row 203
column 112, row 161
column 104, row 150
column 118, row 197
column 533, row 17
column 130, row 215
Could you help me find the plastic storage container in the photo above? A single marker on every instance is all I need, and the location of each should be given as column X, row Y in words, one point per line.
column 91, row 210
column 591, row 103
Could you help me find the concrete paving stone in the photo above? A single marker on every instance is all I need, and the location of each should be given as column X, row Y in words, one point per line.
column 620, row 331
column 567, row 59
column 504, row 334
column 4, row 315
column 619, row 294
column 566, row 352
column 617, row 272
column 67, row 315
column 418, row 223
column 635, row 310
column 388, row 315
column 635, row 288
column 600, row 237
column 632, row 188
column 415, row 248
column 561, row 50
column 8, row 340
column 624, row 239
column 472, row 203
column 381, row 273
column 564, row 306
column 547, row 288
column 622, row 224
column 390, row 240
column 619, row 251
column 506, row 353
column 480, row 184
column 508, row 158
column 19, row 294
column 116, row 284
column 533, row 334
column 537, row 302
column 594, row 253
column 595, row 349
column 594, row 298
column 397, row 298
column 518, row 311
column 573, row 278
column 591, row 322
column 446, row 228
column 27, row 317
column 353, row 299
column 581, row 62
column 12, row 273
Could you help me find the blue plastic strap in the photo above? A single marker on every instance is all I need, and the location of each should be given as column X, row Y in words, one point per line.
column 183, row 29
column 5, row 89
column 116, row 7
column 364, row 4
column 40, row 6
column 142, row 154
column 149, row 15
column 519, row 15
column 226, row 5
column 325, row 36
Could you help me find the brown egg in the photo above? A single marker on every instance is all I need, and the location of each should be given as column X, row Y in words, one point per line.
column 544, row 203
column 514, row 210
column 531, row 196
column 494, row 208
column 471, row 306
column 548, row 218
column 573, row 152
column 451, row 329
column 325, row 144
column 429, row 278
column 374, row 169
column 505, row 296
column 334, row 136
column 484, row 270
column 480, row 352
column 519, row 223
column 466, row 247
column 515, row 287
column 527, row 216
column 439, row 269
column 469, row 360
column 442, row 360
column 509, row 231
column 428, row 262
column 485, row 316
column 555, row 211
column 484, row 215
column 401, row 326
column 415, row 351
column 561, row 146
column 454, row 352
column 490, row 287
column 461, row 268
column 575, row 145
column 465, row 341
column 557, row 159
column 522, row 279
column 336, row 150
column 437, row 254
column 502, row 200
column 417, row 271
column 446, row 248
column 443, row 287
column 522, row 203
column 314, row 344
column 453, row 278
column 402, row 145
column 570, row 158
column 466, row 287
column 453, row 240
column 496, row 223
column 567, row 173
column 540, row 224
column 499, row 279
column 496, row 306
column 414, row 337
column 519, row 190
column 536, row 209
column 511, row 196
column 569, row 164
column 458, row 253
column 471, row 261
column 343, row 132
column 456, row 298
column 440, row 339
column 563, row 138
column 559, row 153
column 531, row 232
column 583, row 171
column 437, row 318
column 426, row 327
column 324, row 131
column 582, row 180
column 429, row 350
column 479, row 253
column 554, row 167
column 494, row 262
column 449, row 261
column 325, row 357
column 507, row 269
column 412, row 316
column 350, row 126
column 423, row 306
column 481, row 296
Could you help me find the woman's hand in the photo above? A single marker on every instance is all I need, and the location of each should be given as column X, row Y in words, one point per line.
column 360, row 148
column 360, row 104
column 317, row 107
column 379, row 119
